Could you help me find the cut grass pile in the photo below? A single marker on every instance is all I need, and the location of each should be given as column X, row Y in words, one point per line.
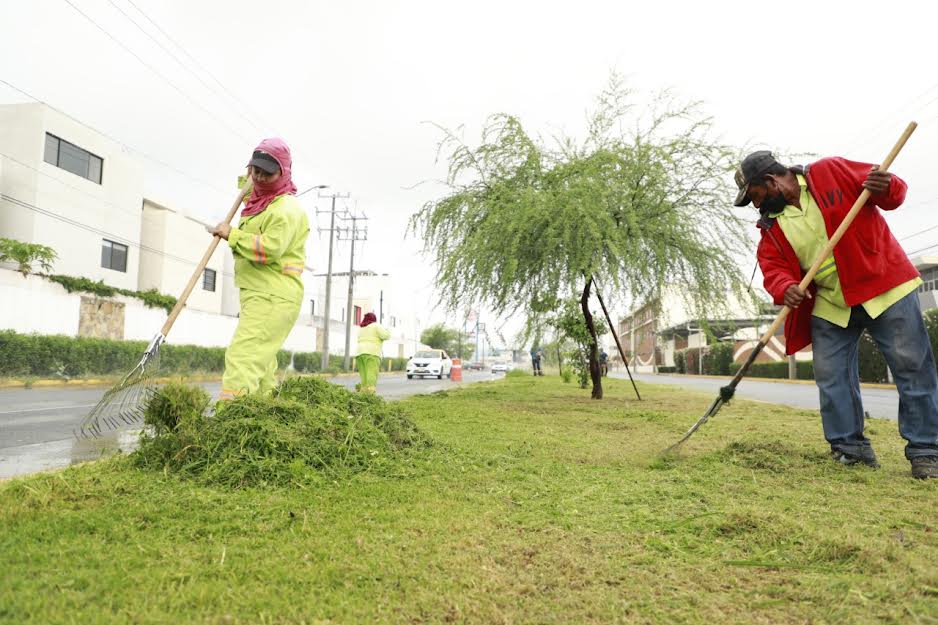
column 310, row 431
column 534, row 505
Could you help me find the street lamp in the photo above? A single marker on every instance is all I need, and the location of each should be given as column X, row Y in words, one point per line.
column 318, row 186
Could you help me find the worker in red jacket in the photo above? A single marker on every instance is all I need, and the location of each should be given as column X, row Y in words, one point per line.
column 867, row 284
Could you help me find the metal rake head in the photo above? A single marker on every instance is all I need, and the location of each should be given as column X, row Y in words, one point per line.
column 126, row 401
column 726, row 394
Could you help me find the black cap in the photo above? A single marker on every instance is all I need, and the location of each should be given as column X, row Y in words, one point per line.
column 749, row 170
column 264, row 161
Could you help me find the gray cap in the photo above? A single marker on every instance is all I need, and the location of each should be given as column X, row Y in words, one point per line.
column 749, row 170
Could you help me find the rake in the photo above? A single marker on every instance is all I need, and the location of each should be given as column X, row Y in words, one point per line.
column 126, row 401
column 727, row 392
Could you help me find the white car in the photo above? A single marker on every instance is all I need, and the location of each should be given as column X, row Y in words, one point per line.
column 499, row 367
column 433, row 362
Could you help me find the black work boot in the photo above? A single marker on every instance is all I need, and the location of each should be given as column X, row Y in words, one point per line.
column 866, row 457
column 924, row 467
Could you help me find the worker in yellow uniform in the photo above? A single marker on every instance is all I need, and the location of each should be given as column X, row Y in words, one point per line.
column 371, row 335
column 269, row 248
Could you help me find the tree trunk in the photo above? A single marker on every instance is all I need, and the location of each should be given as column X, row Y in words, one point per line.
column 595, row 374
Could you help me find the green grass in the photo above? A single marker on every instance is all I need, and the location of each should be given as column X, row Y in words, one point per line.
column 534, row 505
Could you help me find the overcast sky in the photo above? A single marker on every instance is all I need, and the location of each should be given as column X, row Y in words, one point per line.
column 350, row 86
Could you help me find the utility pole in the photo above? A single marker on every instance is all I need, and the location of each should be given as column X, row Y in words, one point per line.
column 357, row 233
column 327, row 312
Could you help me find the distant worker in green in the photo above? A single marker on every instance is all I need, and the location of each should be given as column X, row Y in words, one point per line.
column 269, row 248
column 371, row 336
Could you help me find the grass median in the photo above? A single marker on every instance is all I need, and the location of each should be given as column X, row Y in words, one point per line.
column 534, row 504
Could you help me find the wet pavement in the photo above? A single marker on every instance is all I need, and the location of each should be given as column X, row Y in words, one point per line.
column 878, row 402
column 37, row 425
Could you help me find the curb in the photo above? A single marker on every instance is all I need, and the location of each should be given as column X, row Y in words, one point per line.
column 773, row 380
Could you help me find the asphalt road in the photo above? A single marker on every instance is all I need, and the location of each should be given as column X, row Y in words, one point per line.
column 878, row 402
column 37, row 425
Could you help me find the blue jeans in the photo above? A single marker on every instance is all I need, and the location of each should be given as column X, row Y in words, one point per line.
column 901, row 336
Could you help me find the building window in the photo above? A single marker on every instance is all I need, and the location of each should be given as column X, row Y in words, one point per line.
column 208, row 280
column 358, row 315
column 113, row 256
column 312, row 308
column 70, row 157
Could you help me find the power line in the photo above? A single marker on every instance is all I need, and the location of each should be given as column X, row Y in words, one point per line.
column 109, row 235
column 62, row 182
column 176, row 58
column 114, row 139
column 185, row 66
column 879, row 127
column 161, row 76
column 199, row 65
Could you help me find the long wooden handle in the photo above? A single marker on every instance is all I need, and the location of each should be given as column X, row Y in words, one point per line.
column 835, row 238
column 181, row 302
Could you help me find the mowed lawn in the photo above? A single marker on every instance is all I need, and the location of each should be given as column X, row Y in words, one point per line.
column 535, row 505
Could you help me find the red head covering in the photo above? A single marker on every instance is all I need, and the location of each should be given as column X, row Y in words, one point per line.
column 368, row 319
column 264, row 194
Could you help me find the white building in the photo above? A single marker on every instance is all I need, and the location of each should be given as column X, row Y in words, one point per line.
column 66, row 186
column 373, row 292
column 171, row 246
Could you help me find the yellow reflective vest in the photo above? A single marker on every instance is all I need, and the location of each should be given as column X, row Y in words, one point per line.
column 370, row 339
column 270, row 249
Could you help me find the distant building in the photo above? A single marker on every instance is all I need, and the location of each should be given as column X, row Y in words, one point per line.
column 652, row 333
column 68, row 187
column 928, row 291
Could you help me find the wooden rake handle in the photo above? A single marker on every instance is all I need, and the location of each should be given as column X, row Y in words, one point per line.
column 835, row 238
column 181, row 302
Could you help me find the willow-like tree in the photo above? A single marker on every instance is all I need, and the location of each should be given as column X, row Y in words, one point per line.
column 642, row 202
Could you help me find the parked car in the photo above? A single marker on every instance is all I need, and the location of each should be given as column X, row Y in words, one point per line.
column 475, row 366
column 499, row 367
column 429, row 362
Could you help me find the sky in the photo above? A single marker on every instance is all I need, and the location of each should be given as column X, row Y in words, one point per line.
column 356, row 89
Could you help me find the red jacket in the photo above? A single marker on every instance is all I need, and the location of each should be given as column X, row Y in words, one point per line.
column 869, row 259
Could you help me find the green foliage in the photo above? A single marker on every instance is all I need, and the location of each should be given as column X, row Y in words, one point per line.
column 718, row 359
column 566, row 374
column 308, row 432
column 66, row 356
column 680, row 362
column 25, row 255
column 150, row 297
column 640, row 203
column 667, row 370
column 569, row 325
column 311, row 362
column 804, row 370
column 517, row 373
column 439, row 336
column 872, row 363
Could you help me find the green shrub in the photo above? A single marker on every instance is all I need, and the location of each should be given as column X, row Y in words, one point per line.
column 718, row 358
column 566, row 374
column 56, row 355
column 667, row 369
column 680, row 362
column 777, row 370
column 872, row 362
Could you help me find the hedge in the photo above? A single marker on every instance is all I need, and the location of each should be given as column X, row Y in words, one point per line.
column 311, row 362
column 66, row 356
